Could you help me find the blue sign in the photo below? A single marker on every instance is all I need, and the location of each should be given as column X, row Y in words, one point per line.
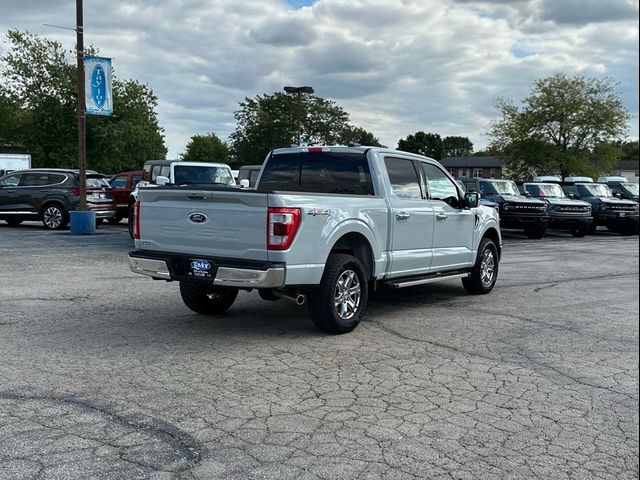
column 98, row 91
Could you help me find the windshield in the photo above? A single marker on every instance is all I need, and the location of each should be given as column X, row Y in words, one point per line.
column 593, row 190
column 631, row 188
column 499, row 187
column 202, row 174
column 545, row 190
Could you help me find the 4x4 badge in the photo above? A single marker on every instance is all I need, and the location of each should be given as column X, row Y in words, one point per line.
column 197, row 217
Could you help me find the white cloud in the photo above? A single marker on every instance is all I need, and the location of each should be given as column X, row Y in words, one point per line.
column 397, row 66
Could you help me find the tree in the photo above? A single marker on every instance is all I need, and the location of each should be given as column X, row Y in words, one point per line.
column 457, row 146
column 357, row 135
column 428, row 144
column 38, row 87
column 206, row 148
column 271, row 121
column 564, row 126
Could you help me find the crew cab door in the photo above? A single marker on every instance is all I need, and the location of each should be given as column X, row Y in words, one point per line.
column 411, row 220
column 453, row 232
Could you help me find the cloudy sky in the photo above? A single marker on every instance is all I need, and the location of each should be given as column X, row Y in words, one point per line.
column 397, row 66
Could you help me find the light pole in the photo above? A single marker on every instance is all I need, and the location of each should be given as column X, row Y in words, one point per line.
column 299, row 91
column 81, row 107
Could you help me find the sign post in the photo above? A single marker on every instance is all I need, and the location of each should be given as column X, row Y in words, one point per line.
column 82, row 150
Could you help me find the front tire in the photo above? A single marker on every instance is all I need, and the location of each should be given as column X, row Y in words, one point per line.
column 207, row 299
column 54, row 217
column 537, row 232
column 485, row 271
column 579, row 231
column 337, row 305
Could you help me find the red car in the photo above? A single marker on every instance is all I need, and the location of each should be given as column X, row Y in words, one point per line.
column 123, row 184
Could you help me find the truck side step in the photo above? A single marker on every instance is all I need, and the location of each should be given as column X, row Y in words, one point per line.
column 413, row 281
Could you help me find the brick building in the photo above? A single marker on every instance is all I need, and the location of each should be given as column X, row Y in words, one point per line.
column 474, row 167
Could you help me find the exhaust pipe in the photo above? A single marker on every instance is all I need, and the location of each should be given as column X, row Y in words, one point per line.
column 297, row 298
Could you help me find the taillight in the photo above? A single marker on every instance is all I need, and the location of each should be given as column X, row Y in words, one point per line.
column 136, row 221
column 282, row 226
column 75, row 192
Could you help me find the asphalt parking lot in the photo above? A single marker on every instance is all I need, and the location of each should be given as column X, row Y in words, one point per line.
column 106, row 374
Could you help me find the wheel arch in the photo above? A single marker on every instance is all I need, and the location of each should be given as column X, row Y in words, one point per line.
column 357, row 245
column 493, row 235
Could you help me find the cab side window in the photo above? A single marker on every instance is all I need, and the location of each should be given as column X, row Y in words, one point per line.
column 404, row 178
column 119, row 182
column 439, row 186
column 10, row 181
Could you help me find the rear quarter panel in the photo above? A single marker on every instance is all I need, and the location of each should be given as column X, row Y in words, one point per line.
column 325, row 219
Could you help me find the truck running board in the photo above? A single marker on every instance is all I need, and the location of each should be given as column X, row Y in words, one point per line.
column 413, row 281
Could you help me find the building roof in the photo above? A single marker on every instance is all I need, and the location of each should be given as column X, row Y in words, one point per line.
column 629, row 165
column 472, row 162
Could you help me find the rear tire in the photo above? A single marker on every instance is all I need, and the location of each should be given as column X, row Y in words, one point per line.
column 54, row 216
column 14, row 222
column 207, row 299
column 485, row 271
column 115, row 220
column 536, row 232
column 337, row 305
column 581, row 230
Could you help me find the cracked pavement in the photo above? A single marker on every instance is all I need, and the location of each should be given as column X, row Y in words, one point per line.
column 105, row 374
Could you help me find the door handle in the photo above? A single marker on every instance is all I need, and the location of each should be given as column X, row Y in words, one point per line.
column 402, row 216
column 44, row 191
column 442, row 216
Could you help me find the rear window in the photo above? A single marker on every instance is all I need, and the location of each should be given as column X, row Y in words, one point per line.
column 318, row 172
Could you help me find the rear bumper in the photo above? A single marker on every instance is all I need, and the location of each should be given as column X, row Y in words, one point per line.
column 272, row 276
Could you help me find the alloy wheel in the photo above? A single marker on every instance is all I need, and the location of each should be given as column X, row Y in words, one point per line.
column 347, row 294
column 487, row 267
column 52, row 217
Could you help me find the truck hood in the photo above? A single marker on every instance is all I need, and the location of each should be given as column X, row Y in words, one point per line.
column 522, row 200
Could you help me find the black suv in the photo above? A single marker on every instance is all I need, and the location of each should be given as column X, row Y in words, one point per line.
column 620, row 216
column 564, row 213
column 49, row 195
column 516, row 211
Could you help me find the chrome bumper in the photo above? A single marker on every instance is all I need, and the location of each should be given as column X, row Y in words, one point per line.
column 225, row 276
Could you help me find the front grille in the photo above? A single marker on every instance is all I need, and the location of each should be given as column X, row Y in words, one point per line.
column 526, row 208
column 618, row 208
column 572, row 209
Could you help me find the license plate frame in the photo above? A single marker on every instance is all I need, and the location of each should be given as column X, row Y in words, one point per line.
column 201, row 268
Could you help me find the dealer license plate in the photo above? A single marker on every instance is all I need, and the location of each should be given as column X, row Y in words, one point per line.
column 201, row 268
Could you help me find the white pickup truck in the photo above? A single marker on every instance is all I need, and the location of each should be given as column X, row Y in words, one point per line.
column 324, row 226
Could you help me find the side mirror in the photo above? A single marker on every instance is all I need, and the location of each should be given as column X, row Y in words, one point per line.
column 244, row 183
column 617, row 195
column 572, row 195
column 160, row 180
column 471, row 199
column 526, row 193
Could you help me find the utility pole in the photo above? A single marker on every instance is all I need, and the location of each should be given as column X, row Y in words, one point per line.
column 299, row 91
column 82, row 150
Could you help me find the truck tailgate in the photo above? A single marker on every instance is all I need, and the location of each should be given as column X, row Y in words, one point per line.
column 230, row 224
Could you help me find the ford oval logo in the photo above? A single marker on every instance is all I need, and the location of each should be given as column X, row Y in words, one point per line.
column 98, row 86
column 197, row 217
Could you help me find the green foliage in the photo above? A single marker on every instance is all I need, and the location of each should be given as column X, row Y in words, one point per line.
column 457, row 146
column 357, row 135
column 271, row 121
column 206, row 148
column 428, row 144
column 566, row 126
column 38, row 90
